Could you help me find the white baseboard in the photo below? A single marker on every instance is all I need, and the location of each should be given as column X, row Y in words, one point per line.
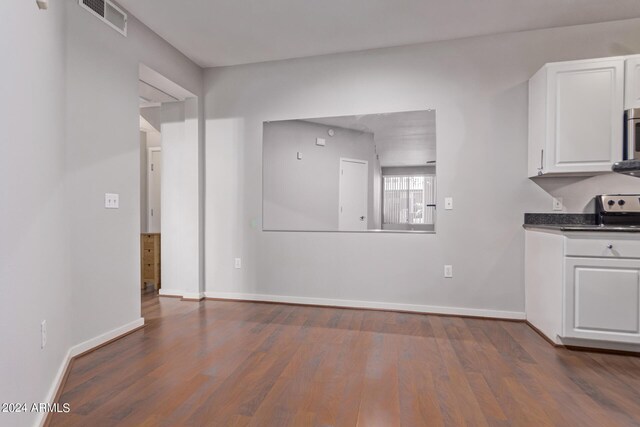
column 170, row 292
column 604, row 345
column 191, row 296
column 416, row 308
column 53, row 390
column 101, row 339
column 79, row 349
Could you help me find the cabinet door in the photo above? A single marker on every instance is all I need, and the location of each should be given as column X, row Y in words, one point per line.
column 585, row 116
column 632, row 83
column 602, row 299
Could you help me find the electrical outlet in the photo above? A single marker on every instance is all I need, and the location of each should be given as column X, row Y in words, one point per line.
column 238, row 263
column 448, row 203
column 448, row 271
column 557, row 204
column 111, row 201
column 43, row 334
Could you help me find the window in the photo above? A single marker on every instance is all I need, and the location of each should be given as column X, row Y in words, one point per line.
column 409, row 199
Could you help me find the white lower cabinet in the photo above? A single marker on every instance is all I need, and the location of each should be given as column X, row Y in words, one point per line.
column 602, row 299
column 583, row 289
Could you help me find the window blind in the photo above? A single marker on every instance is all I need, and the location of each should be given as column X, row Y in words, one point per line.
column 409, row 199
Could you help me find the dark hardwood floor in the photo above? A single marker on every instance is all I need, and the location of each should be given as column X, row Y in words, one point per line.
column 218, row 363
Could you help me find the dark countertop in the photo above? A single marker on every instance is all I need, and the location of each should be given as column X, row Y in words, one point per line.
column 559, row 219
column 584, row 228
column 572, row 222
column 629, row 167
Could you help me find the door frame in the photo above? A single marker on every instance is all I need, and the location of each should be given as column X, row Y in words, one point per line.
column 363, row 162
column 150, row 150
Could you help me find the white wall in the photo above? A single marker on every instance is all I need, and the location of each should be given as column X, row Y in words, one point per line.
column 105, row 243
column 154, row 139
column 479, row 88
column 34, row 247
column 303, row 194
column 151, row 115
column 376, row 208
column 143, row 183
column 180, row 200
column 147, row 139
column 70, row 135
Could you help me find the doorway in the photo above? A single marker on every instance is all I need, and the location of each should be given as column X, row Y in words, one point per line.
column 170, row 189
column 152, row 97
column 150, row 199
column 353, row 195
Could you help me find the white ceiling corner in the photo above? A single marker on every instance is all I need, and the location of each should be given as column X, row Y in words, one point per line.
column 226, row 32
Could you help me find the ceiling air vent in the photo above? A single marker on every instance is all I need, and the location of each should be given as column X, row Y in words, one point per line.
column 108, row 13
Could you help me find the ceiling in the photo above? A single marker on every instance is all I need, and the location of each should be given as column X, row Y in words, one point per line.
column 227, row 32
column 151, row 96
column 402, row 139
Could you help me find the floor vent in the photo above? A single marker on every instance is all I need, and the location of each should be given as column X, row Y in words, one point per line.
column 108, row 13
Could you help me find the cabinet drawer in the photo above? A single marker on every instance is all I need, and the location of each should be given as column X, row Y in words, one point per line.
column 146, row 247
column 148, row 271
column 148, row 253
column 616, row 247
column 150, row 239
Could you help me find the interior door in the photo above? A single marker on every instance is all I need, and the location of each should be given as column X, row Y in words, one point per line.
column 154, row 192
column 353, row 195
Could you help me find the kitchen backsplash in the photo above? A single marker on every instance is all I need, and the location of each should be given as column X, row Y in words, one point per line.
column 577, row 193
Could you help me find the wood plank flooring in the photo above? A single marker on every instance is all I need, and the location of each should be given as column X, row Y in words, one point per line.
column 216, row 363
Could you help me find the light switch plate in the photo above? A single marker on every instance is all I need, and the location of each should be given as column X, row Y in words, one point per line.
column 321, row 142
column 448, row 203
column 237, row 263
column 299, row 155
column 448, row 271
column 111, row 200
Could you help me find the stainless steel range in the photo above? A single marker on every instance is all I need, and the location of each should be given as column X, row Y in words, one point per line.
column 618, row 210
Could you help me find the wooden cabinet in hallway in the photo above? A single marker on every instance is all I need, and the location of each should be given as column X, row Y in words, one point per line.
column 150, row 259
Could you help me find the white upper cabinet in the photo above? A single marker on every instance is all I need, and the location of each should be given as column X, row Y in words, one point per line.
column 632, row 83
column 576, row 117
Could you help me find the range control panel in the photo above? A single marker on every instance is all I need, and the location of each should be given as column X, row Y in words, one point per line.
column 619, row 202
